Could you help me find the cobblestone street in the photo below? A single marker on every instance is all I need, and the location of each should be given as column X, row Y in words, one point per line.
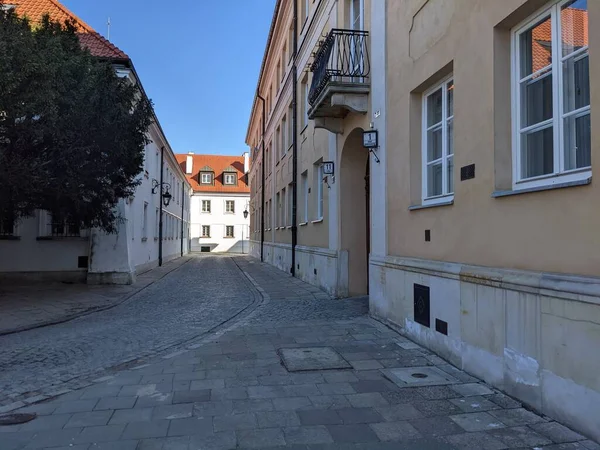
column 229, row 323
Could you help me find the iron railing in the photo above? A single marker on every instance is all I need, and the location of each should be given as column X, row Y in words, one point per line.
column 343, row 57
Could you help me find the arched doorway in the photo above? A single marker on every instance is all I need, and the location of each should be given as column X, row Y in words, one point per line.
column 355, row 211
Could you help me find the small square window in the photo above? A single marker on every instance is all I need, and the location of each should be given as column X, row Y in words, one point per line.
column 205, row 231
column 230, row 206
column 206, row 206
column 206, row 178
column 229, row 231
column 230, row 178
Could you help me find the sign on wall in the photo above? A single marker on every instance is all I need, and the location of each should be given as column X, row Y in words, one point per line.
column 328, row 167
column 370, row 139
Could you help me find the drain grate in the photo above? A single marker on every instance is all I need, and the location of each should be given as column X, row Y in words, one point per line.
column 16, row 419
column 418, row 376
column 312, row 358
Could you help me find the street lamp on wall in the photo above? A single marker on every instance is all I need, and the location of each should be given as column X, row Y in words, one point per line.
column 164, row 189
column 245, row 213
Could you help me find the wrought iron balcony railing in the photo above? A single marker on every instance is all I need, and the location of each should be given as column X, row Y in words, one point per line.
column 342, row 58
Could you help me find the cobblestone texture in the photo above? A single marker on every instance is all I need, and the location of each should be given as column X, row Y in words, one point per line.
column 229, row 390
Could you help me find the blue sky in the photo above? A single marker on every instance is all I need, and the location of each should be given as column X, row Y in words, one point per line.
column 198, row 61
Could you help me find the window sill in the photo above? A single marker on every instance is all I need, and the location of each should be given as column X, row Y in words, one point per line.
column 317, row 221
column 289, row 227
column 431, row 205
column 304, row 129
column 204, row 237
column 277, row 163
column 549, row 187
column 228, row 237
column 277, row 228
column 144, row 239
column 10, row 238
column 302, row 224
column 268, row 229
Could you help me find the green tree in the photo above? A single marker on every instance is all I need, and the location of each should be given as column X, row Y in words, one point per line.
column 72, row 133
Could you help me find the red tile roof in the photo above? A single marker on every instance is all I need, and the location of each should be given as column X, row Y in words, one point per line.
column 219, row 164
column 98, row 45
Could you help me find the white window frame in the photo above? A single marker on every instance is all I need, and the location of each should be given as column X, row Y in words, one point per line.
column 202, row 234
column 229, row 179
column 289, row 216
column 145, row 222
column 227, row 228
column 559, row 175
column 304, row 178
column 320, row 194
column 204, row 210
column 206, row 176
column 446, row 195
column 305, row 91
column 232, row 203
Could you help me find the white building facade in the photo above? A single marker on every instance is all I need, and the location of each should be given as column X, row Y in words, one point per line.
column 220, row 198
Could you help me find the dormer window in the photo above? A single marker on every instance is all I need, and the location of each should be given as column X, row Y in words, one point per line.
column 230, row 176
column 206, row 175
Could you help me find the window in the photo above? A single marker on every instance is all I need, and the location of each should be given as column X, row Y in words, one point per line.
column 206, row 206
column 319, row 188
column 230, row 178
column 290, row 130
column 206, row 178
column 304, row 183
column 305, row 5
column 438, row 143
column 290, row 217
column 305, row 104
column 57, row 226
column 284, row 138
column 145, row 222
column 279, row 72
column 230, row 206
column 278, row 211
column 281, row 152
column 205, row 231
column 156, row 224
column 291, row 42
column 551, row 97
column 229, row 231
column 7, row 225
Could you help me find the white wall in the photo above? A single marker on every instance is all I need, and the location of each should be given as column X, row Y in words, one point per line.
column 218, row 219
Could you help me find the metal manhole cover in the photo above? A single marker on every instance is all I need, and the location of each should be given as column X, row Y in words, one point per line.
column 418, row 376
column 312, row 358
column 16, row 419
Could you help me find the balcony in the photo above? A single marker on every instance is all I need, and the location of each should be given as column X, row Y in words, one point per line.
column 340, row 82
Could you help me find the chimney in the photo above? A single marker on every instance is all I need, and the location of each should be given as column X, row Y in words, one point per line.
column 189, row 163
column 246, row 156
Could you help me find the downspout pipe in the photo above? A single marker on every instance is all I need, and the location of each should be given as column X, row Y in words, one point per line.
column 160, row 214
column 182, row 218
column 295, row 142
column 262, row 189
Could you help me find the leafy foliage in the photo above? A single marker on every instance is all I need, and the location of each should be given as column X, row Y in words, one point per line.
column 72, row 133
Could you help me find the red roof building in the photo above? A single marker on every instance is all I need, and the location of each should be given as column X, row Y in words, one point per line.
column 217, row 166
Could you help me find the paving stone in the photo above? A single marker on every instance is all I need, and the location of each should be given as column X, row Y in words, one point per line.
column 480, row 421
column 129, row 444
column 431, row 408
column 218, row 441
column 191, row 426
column 359, row 415
column 245, row 421
column 131, row 415
column 301, row 390
column 352, row 433
column 104, row 433
column 123, row 379
column 519, row 437
column 395, row 431
column 277, row 419
column 590, row 445
column 213, row 374
column 168, row 443
column 275, row 380
column 252, row 405
column 474, row 404
column 171, row 412
column 115, row 403
column 475, row 441
column 53, row 422
column 340, row 377
column 143, row 430
column 74, row 406
column 145, row 390
column 89, row 419
column 157, row 378
column 436, row 426
column 335, row 389
column 53, row 438
column 319, row 417
column 73, row 447
column 556, row 432
column 503, row 401
column 516, row 417
column 312, row 358
column 368, row 364
column 329, row 401
column 437, row 392
column 401, row 396
column 472, row 389
column 95, row 392
column 373, row 386
column 266, row 392
column 155, row 399
column 292, row 403
column 229, row 394
column 241, row 382
column 367, row 400
column 395, row 413
column 191, row 396
column 188, row 376
column 198, row 385
column 41, row 409
column 209, row 409
column 307, row 435
column 457, row 373
column 264, row 438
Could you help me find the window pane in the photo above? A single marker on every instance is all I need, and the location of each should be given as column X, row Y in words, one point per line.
column 537, row 153
column 434, row 180
column 536, row 100
column 450, row 98
column 574, row 24
column 434, row 108
column 434, row 144
column 450, row 135
column 450, row 177
column 578, row 142
column 535, row 47
column 576, row 83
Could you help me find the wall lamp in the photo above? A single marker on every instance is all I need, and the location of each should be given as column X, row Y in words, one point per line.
column 165, row 194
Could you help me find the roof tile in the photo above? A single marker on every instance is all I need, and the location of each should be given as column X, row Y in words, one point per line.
column 217, row 164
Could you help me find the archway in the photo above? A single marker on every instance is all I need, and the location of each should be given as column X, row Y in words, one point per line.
column 355, row 214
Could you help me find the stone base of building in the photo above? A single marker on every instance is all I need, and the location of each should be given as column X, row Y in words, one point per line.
column 533, row 335
column 111, row 278
column 64, row 276
column 322, row 267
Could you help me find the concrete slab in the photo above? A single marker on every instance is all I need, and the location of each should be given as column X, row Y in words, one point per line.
column 418, row 376
column 312, row 358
